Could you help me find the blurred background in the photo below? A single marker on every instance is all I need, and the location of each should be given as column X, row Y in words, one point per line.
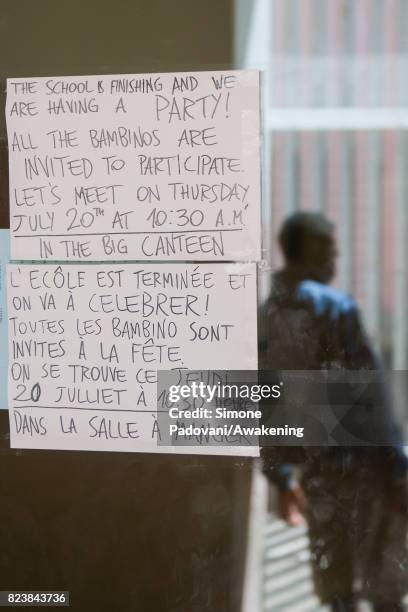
column 335, row 115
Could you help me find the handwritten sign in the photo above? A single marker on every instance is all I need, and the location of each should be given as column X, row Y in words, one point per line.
column 135, row 167
column 85, row 344
column 4, row 260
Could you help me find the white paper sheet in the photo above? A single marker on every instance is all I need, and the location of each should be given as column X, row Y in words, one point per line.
column 85, row 343
column 135, row 167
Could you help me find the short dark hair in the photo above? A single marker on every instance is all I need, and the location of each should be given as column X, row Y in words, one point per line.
column 301, row 226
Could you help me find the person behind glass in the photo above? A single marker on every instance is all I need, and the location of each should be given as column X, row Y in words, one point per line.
column 353, row 498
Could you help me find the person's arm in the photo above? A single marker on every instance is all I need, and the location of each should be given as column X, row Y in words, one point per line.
column 291, row 501
column 281, row 475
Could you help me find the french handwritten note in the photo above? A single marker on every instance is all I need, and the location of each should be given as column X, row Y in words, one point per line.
column 135, row 167
column 85, row 344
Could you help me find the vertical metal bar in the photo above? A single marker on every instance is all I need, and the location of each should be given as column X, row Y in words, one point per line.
column 334, row 34
column 335, row 168
column 306, row 169
column 290, row 178
column 320, row 9
column 345, row 233
column 307, row 148
column 390, row 29
column 387, row 233
column 402, row 50
column 362, row 34
column 349, row 26
column 361, row 261
column 278, row 77
column 399, row 320
column 278, row 98
column 373, row 223
column 278, row 192
column 305, row 95
column 376, row 53
column 322, row 203
column 293, row 74
column 318, row 172
column 333, row 182
column 257, row 55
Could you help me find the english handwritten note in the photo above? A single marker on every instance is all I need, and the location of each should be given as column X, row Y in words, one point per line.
column 135, row 167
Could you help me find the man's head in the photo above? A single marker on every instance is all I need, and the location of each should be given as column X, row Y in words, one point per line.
column 309, row 246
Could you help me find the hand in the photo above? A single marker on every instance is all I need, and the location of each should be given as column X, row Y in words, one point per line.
column 291, row 505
